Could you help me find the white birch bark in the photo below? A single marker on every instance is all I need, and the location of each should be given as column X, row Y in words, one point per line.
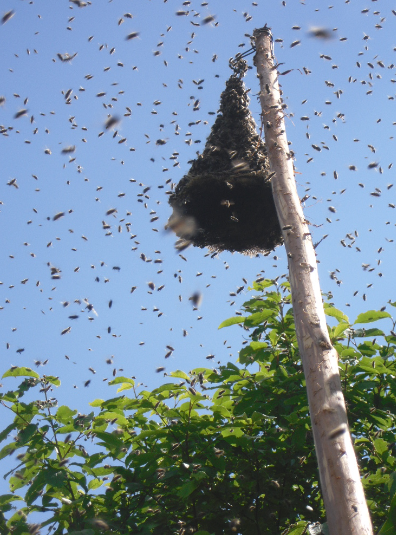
column 341, row 486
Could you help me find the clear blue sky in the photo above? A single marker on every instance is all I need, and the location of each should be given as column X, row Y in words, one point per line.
column 107, row 173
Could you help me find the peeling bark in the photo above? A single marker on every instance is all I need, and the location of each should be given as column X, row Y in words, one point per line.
column 342, row 490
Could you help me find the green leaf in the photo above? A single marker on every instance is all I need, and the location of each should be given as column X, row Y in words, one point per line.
column 392, row 484
column 9, row 498
column 372, row 315
column 38, row 484
column 367, row 333
column 298, row 529
column 259, row 317
column 349, row 352
column 381, row 446
column 64, row 415
column 95, row 484
column 181, row 375
column 232, row 431
column 21, row 372
column 389, row 528
column 382, row 423
column 8, row 449
column 110, row 441
column 260, row 286
column 119, row 380
column 222, row 410
column 52, row 379
column 26, row 434
column 232, row 321
column 4, row 434
column 335, row 313
column 124, row 386
column 188, row 488
column 339, row 329
column 111, row 415
column 258, row 345
column 97, row 403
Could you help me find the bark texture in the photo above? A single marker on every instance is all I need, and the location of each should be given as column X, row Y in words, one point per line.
column 342, row 490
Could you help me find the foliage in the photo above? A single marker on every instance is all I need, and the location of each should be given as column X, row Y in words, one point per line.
column 213, row 451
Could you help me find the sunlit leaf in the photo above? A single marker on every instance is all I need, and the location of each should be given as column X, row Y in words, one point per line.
column 232, row 321
column 119, row 380
column 52, row 379
column 259, row 317
column 21, row 372
column 262, row 285
column 335, row 313
column 371, row 315
column 64, row 415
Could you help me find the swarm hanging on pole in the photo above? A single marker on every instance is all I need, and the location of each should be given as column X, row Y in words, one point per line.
column 225, row 201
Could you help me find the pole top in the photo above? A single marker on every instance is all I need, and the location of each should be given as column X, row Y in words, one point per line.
column 258, row 32
column 265, row 30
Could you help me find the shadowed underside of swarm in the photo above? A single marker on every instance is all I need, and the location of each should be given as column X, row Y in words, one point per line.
column 225, row 201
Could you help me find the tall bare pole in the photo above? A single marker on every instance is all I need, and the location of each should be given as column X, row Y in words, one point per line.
column 342, row 490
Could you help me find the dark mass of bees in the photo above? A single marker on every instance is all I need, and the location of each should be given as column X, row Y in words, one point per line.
column 225, row 201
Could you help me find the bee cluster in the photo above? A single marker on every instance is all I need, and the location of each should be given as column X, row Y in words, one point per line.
column 225, row 201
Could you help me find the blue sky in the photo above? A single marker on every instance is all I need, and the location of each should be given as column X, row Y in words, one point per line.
column 113, row 170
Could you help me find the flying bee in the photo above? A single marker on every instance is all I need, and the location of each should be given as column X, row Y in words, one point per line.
column 20, row 113
column 7, row 16
column 208, row 19
column 132, row 35
column 182, row 244
column 68, row 150
column 320, row 33
column 111, row 121
column 101, row 524
column 196, row 299
column 58, row 216
column 65, row 331
column 13, row 182
column 240, row 166
column 66, row 57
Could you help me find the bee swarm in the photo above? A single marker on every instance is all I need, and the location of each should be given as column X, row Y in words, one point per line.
column 225, row 201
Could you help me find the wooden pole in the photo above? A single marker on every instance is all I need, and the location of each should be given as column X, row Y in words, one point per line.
column 342, row 490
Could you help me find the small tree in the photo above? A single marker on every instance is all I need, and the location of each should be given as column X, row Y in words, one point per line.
column 212, row 451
